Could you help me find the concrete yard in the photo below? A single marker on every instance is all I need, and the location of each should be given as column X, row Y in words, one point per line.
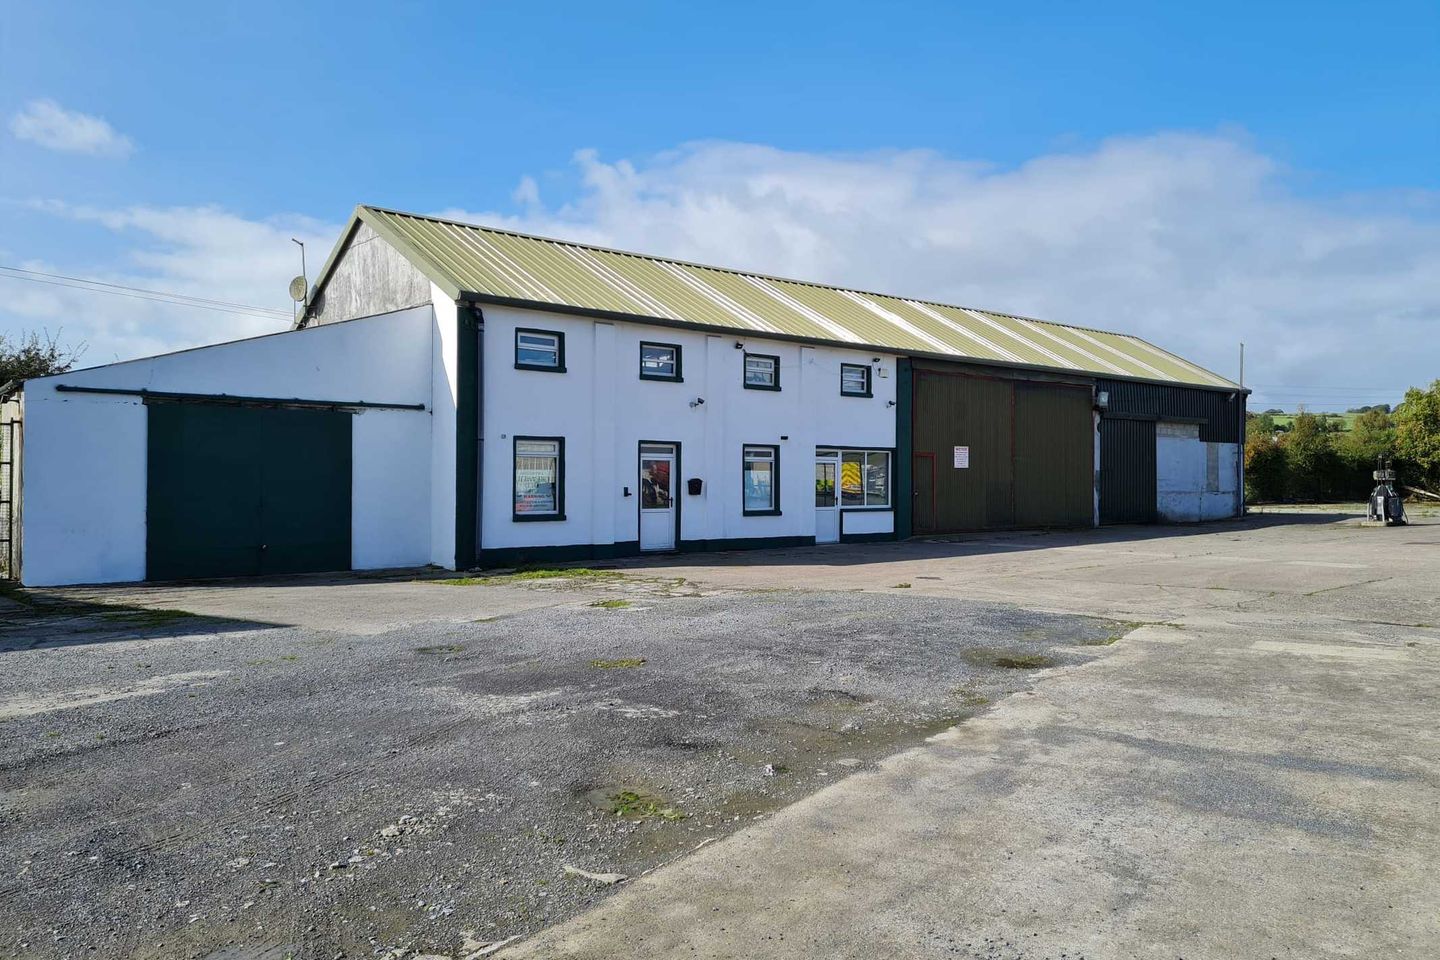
column 891, row 750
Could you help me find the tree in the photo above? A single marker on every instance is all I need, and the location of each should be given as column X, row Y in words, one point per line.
column 1313, row 467
column 1371, row 435
column 1259, row 423
column 1417, row 435
column 1264, row 468
column 35, row 355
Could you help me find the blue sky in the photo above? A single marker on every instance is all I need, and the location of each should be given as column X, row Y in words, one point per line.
column 1313, row 127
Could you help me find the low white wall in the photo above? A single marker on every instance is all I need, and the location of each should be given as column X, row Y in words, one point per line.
column 85, row 454
column 1194, row 480
column 604, row 410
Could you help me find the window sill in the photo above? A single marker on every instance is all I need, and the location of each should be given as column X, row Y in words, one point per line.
column 761, row 513
column 862, row 396
column 537, row 517
column 759, row 386
column 539, row 368
column 886, row 509
column 658, row 379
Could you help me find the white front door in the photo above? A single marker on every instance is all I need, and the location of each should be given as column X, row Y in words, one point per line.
column 657, row 496
column 827, row 507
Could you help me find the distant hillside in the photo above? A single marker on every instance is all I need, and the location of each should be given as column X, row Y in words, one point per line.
column 1344, row 420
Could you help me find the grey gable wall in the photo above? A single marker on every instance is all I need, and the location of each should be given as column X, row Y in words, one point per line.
column 369, row 277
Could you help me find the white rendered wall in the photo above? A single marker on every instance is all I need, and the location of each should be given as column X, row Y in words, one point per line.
column 85, row 454
column 444, row 362
column 1194, row 480
column 604, row 410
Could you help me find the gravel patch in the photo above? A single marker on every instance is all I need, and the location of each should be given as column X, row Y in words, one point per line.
column 182, row 787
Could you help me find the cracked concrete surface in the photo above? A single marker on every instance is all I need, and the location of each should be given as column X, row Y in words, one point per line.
column 1260, row 777
column 1251, row 771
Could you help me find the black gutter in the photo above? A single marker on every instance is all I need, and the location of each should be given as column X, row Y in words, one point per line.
column 240, row 401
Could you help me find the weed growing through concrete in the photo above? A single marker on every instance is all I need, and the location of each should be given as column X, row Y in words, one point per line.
column 1100, row 641
column 901, row 586
column 441, row 648
column 610, row 604
column 539, row 573
column 1023, row 661
column 971, row 699
column 628, row 663
column 641, row 806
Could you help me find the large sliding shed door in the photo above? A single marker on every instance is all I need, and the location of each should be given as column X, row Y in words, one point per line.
column 993, row 452
column 245, row 491
column 1127, row 471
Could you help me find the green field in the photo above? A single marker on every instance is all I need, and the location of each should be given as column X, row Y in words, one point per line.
column 1345, row 420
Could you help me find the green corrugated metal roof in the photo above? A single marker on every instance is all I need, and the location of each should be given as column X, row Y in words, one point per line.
column 488, row 263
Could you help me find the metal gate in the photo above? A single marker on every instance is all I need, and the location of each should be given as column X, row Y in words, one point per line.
column 1127, row 470
column 9, row 500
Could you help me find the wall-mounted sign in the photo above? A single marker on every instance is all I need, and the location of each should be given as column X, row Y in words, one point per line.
column 962, row 458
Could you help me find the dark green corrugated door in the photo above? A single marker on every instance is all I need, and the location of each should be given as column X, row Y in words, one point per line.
column 976, row 413
column 1127, row 471
column 1054, row 456
column 242, row 491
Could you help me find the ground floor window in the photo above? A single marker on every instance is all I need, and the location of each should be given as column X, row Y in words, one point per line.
column 539, row 478
column 760, row 480
column 864, row 478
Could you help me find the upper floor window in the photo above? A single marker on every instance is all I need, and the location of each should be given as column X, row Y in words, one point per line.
column 660, row 361
column 762, row 372
column 854, row 380
column 539, row 350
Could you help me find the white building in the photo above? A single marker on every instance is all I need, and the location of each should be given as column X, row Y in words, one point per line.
column 461, row 396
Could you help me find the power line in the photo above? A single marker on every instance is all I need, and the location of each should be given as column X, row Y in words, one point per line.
column 139, row 293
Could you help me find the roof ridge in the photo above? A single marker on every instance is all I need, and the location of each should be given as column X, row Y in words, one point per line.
column 733, row 271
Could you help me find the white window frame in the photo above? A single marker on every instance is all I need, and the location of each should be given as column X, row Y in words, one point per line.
column 867, row 500
column 865, row 373
column 551, row 341
column 760, row 453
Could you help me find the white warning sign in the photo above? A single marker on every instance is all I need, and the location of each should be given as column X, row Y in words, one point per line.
column 962, row 458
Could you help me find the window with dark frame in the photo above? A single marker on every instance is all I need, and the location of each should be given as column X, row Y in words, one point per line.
column 760, row 481
column 540, row 350
column 855, row 380
column 762, row 371
column 539, row 478
column 660, row 361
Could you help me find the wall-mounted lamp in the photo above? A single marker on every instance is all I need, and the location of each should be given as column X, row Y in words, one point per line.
column 889, row 403
column 784, row 438
column 1102, row 399
column 697, row 402
column 874, row 359
column 739, row 345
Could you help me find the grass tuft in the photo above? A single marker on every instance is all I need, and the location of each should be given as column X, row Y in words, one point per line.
column 633, row 805
column 628, row 663
column 610, row 604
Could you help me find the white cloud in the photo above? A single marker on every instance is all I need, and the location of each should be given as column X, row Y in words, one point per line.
column 198, row 251
column 1194, row 242
column 52, row 126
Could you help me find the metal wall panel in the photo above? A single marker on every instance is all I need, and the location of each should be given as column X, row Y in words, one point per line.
column 242, row 491
column 959, row 411
column 1054, row 456
column 1030, row 452
column 1127, row 471
column 1222, row 415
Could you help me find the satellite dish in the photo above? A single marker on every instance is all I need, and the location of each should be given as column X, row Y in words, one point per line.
column 298, row 289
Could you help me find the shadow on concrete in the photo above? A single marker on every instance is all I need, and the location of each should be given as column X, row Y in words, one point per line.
column 942, row 546
column 36, row 619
